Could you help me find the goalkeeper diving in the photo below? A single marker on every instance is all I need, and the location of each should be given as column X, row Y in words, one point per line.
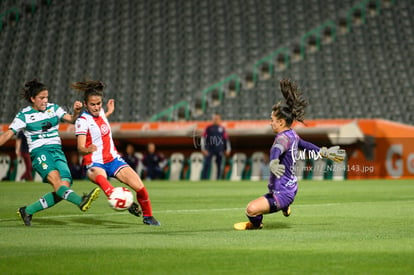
column 283, row 182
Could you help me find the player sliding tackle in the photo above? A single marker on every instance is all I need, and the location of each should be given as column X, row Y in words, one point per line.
column 282, row 182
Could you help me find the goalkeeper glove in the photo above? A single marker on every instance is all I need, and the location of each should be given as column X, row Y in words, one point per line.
column 277, row 169
column 333, row 153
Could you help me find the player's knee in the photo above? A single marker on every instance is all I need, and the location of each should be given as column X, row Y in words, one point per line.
column 92, row 173
column 252, row 209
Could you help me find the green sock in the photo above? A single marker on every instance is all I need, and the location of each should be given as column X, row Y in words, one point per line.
column 68, row 194
column 47, row 201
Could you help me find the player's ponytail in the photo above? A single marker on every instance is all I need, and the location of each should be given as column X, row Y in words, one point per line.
column 294, row 106
column 89, row 88
column 32, row 88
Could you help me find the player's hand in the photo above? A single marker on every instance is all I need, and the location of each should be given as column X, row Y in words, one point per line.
column 92, row 148
column 77, row 107
column 110, row 106
column 277, row 169
column 333, row 153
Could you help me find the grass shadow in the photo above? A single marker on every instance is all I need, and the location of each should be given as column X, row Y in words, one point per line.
column 101, row 222
column 277, row 225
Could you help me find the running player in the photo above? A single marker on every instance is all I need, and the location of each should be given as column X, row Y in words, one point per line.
column 95, row 143
column 282, row 182
column 40, row 123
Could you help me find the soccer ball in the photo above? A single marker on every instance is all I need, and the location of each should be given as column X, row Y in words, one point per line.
column 120, row 199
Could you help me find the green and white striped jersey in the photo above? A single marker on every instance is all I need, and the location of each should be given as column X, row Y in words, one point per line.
column 40, row 128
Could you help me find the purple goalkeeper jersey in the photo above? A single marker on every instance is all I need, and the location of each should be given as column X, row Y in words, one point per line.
column 285, row 148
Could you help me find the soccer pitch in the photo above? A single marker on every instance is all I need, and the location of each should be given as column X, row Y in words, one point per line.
column 348, row 227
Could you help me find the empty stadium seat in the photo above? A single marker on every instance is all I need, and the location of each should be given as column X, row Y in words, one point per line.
column 257, row 161
column 5, row 164
column 140, row 166
column 318, row 169
column 37, row 177
column 176, row 166
column 195, row 166
column 238, row 165
column 339, row 171
column 300, row 168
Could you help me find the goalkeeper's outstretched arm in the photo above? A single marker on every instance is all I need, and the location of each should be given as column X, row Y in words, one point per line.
column 334, row 153
column 309, row 146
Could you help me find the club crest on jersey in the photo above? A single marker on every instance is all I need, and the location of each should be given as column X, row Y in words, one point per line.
column 50, row 113
column 104, row 129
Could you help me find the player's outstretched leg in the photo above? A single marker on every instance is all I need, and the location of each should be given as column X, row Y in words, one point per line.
column 128, row 176
column 144, row 201
column 88, row 199
column 27, row 219
column 46, row 201
column 255, row 222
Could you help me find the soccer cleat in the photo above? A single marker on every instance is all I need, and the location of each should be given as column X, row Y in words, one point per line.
column 88, row 199
column 27, row 219
column 134, row 210
column 150, row 220
column 246, row 226
column 286, row 211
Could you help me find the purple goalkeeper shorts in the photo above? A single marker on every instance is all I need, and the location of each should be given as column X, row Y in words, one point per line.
column 280, row 200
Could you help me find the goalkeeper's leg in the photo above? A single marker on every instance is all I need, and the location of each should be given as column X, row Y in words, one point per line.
column 254, row 212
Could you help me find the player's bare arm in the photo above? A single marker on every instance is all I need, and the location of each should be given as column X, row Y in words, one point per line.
column 77, row 108
column 6, row 136
column 110, row 107
column 82, row 149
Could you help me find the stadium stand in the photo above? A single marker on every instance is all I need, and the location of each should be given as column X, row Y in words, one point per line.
column 153, row 55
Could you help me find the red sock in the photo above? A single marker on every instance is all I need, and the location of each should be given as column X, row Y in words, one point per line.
column 105, row 185
column 144, row 201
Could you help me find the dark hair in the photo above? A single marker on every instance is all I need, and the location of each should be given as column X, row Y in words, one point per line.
column 32, row 88
column 89, row 87
column 294, row 106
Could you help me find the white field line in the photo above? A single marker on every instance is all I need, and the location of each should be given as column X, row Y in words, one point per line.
column 181, row 211
column 188, row 211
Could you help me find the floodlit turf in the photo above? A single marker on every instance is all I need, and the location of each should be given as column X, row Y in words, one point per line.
column 349, row 227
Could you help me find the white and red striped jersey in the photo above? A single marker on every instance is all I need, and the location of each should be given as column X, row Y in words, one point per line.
column 98, row 132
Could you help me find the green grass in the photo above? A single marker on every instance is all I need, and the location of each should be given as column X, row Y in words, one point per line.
column 350, row 227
